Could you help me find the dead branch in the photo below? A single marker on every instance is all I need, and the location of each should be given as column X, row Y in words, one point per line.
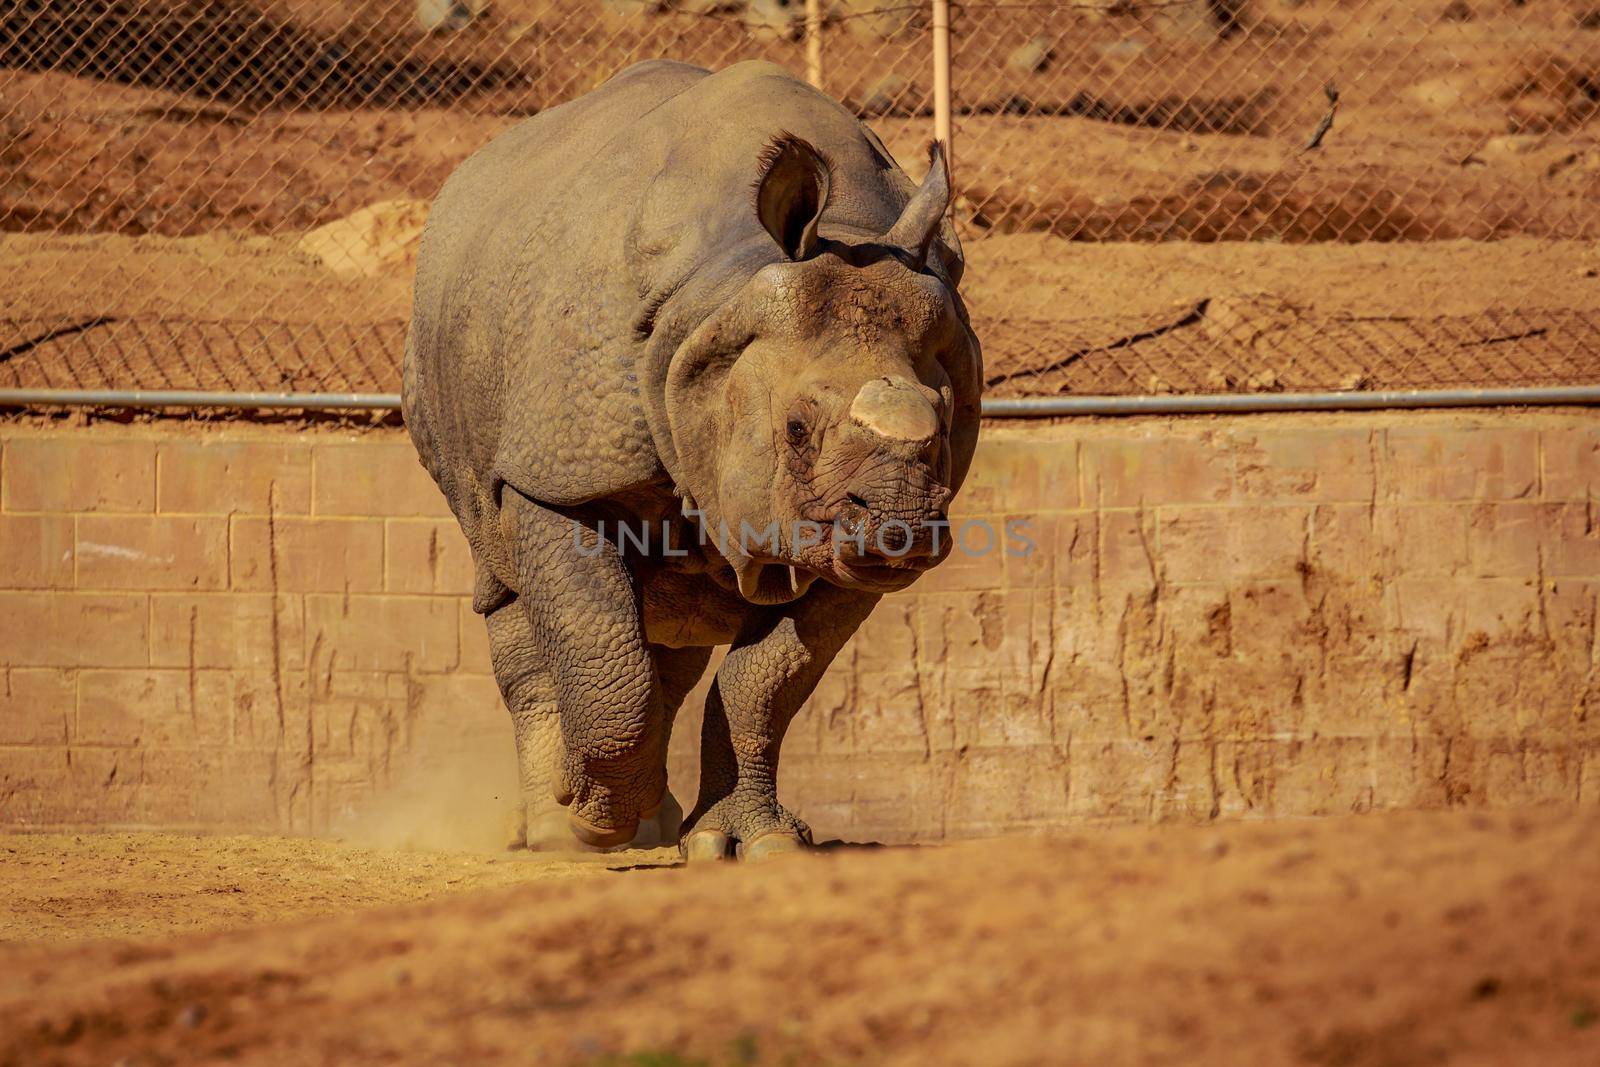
column 1327, row 120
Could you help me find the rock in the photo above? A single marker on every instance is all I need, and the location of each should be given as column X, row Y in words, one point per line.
column 1107, row 10
column 1510, row 144
column 629, row 9
column 875, row 21
column 1547, row 92
column 1127, row 48
column 1248, row 320
column 1202, row 22
column 1263, row 381
column 1536, row 113
column 774, row 20
column 379, row 239
column 1032, row 57
column 448, row 15
column 1441, row 95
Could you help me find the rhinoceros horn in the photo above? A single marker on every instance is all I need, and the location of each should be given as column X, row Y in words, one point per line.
column 917, row 226
column 897, row 409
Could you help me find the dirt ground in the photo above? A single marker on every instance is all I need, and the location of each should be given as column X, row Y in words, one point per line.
column 1460, row 938
column 68, row 887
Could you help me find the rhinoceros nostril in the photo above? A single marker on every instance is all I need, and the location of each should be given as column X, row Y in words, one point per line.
column 853, row 517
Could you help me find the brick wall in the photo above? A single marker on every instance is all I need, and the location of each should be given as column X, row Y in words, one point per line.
column 261, row 628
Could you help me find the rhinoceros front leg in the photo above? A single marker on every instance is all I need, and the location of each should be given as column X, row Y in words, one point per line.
column 582, row 610
column 769, row 672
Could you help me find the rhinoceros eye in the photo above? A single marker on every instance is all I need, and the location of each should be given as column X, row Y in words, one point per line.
column 798, row 430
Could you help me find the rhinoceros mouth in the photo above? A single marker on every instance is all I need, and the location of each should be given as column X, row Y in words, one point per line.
column 880, row 577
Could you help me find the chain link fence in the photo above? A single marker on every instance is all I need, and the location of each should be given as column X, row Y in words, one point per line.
column 1169, row 197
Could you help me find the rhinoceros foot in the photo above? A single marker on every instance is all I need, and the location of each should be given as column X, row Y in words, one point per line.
column 550, row 828
column 660, row 827
column 738, row 827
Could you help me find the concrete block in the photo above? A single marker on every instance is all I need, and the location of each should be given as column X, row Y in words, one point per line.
column 152, row 552
column 307, row 555
column 1154, row 466
column 426, row 556
column 216, row 475
column 235, row 631
column 1223, row 544
column 373, row 476
column 74, row 629
column 37, row 551
column 36, row 706
column 1571, row 461
column 384, row 633
column 66, row 472
column 1453, row 462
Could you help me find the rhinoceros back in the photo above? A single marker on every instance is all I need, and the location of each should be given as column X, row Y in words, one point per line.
column 548, row 251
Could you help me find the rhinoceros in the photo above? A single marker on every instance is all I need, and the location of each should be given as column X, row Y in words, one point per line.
column 688, row 361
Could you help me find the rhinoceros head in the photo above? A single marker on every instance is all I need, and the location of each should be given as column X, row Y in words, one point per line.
column 833, row 400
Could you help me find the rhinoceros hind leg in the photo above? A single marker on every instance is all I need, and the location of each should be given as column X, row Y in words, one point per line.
column 526, row 688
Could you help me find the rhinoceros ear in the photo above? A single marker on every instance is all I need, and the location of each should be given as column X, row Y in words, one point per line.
column 791, row 193
column 923, row 217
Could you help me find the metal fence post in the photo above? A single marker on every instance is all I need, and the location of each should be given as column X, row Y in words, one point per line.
column 941, row 76
column 814, row 43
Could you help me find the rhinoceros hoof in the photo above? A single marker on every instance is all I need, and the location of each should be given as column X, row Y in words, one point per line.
column 594, row 836
column 771, row 846
column 661, row 826
column 514, row 828
column 546, row 831
column 707, row 846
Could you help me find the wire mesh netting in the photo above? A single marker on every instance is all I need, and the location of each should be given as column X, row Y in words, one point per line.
column 1189, row 196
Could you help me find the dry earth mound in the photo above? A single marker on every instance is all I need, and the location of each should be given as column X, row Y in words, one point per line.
column 1373, row 940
